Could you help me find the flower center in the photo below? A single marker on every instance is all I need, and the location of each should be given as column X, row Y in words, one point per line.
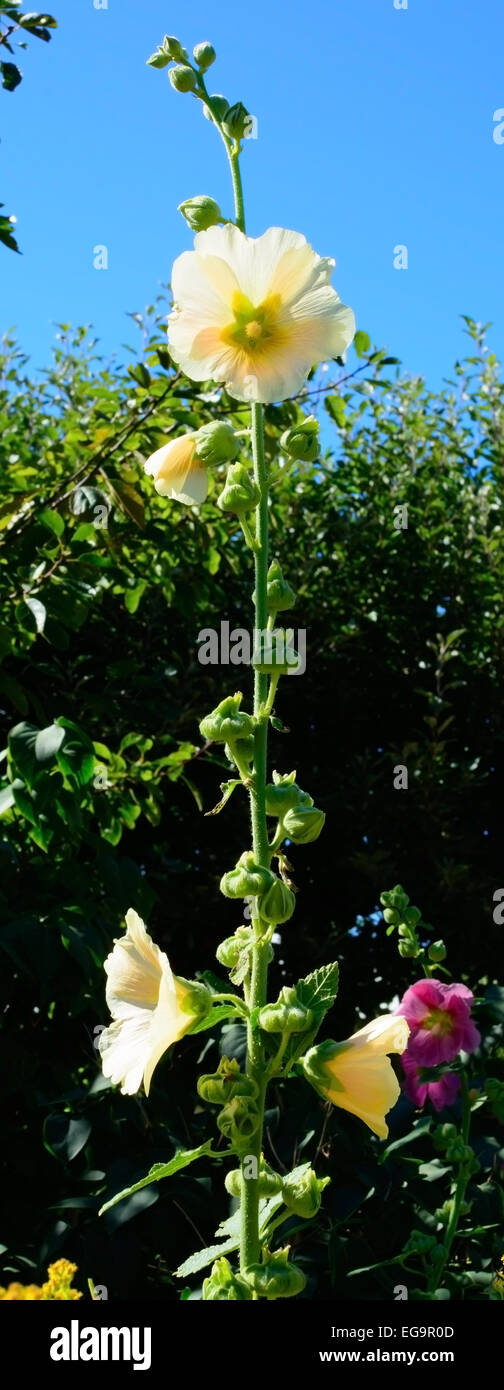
column 438, row 1020
column 253, row 325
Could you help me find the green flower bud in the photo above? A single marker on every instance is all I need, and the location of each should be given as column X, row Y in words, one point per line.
column 280, row 594
column 275, row 1277
column 391, row 916
column 221, row 1086
column 286, row 1015
column 274, row 652
column 230, row 950
column 204, row 55
column 396, row 897
column 411, row 917
column 237, row 122
column 220, row 105
column 284, row 795
column 216, row 442
column 303, row 824
column 244, row 748
column 247, row 879
column 277, row 903
column 442, row 1136
column 408, row 950
column 437, row 951
column 174, row 49
column 302, row 1193
column 227, row 722
column 222, row 1284
column 240, row 493
column 182, row 78
column 200, row 213
column 238, row 1121
column 170, row 51
column 269, row 1182
column 301, row 441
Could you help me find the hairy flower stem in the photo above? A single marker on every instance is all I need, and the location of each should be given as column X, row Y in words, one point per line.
column 258, row 990
column 459, row 1195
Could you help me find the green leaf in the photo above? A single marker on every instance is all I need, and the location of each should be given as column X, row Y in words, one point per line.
column 21, row 741
column 215, row 1016
column 48, row 742
column 133, row 597
column 318, row 990
column 140, row 374
column 160, row 1170
column 205, row 1257
column 227, row 788
column 336, row 409
column 420, row 1128
column 6, row 233
column 38, row 611
column 361, row 342
column 7, row 799
column 11, row 76
column 65, row 1137
column 52, row 521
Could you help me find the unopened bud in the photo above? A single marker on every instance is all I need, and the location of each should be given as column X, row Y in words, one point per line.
column 301, row 441
column 220, row 106
column 240, row 492
column 204, row 55
column 278, row 902
column 238, row 121
column 216, row 443
column 286, row 1015
column 283, row 794
column 201, row 212
column 227, row 722
column 182, row 78
column 303, row 824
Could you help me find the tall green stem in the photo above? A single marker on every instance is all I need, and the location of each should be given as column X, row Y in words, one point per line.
column 460, row 1191
column 249, row 1243
column 257, row 996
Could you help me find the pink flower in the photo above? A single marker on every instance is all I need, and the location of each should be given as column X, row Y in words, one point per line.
column 440, row 1022
column 442, row 1093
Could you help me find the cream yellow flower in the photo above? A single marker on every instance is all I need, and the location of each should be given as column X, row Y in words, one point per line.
column 255, row 313
column 177, row 472
column 150, row 1007
column 357, row 1075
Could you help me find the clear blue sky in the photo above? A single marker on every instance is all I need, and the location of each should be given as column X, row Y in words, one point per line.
column 374, row 129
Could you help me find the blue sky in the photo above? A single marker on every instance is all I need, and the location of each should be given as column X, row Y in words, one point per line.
column 375, row 129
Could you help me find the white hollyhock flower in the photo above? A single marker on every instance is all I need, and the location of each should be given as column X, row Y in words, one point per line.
column 177, row 472
column 149, row 1005
column 357, row 1075
column 255, row 313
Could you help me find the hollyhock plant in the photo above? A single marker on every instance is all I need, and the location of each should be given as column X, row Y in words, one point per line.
column 441, row 1093
column 256, row 313
column 440, row 1022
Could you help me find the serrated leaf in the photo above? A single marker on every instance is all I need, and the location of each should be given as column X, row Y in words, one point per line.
column 202, row 1258
column 318, row 990
column 158, row 1171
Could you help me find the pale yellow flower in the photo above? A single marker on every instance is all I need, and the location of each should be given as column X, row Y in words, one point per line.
column 357, row 1075
column 177, row 472
column 146, row 1001
column 255, row 313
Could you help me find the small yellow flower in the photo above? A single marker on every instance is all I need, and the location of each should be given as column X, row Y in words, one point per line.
column 150, row 1007
column 177, row 472
column 357, row 1075
column 57, row 1287
column 255, row 313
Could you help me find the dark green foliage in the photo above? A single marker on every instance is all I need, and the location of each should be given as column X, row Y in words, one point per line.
column 104, row 588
